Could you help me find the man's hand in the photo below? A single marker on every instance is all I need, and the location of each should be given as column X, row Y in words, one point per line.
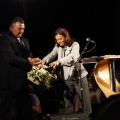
column 40, row 64
column 34, row 61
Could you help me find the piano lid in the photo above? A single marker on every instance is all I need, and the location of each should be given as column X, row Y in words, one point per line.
column 111, row 56
column 92, row 59
column 95, row 59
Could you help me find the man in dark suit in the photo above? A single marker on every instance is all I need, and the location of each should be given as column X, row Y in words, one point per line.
column 15, row 62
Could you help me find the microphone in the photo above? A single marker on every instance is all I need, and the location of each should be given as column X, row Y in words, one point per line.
column 90, row 40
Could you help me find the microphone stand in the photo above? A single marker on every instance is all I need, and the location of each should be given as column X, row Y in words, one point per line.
column 79, row 76
column 85, row 48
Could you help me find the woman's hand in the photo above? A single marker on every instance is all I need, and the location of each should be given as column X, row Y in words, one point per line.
column 40, row 64
column 54, row 64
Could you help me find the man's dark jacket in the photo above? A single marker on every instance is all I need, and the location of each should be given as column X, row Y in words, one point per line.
column 14, row 63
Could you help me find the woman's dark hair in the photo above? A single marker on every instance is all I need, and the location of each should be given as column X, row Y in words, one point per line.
column 65, row 33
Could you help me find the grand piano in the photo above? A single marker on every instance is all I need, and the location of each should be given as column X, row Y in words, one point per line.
column 104, row 73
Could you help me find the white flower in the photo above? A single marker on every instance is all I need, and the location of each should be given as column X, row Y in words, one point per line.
column 43, row 75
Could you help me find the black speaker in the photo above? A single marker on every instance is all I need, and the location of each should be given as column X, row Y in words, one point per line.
column 76, row 116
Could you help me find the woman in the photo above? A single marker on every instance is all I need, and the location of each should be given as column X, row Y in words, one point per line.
column 67, row 51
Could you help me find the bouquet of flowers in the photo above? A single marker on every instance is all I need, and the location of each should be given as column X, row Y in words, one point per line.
column 42, row 75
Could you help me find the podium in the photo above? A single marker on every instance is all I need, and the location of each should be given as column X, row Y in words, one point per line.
column 104, row 73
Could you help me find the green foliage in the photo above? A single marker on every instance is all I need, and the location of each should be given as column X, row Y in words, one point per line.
column 41, row 76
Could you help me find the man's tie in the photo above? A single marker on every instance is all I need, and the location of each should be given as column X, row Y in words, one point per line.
column 21, row 42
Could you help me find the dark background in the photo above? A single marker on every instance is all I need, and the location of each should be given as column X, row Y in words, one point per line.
column 95, row 19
